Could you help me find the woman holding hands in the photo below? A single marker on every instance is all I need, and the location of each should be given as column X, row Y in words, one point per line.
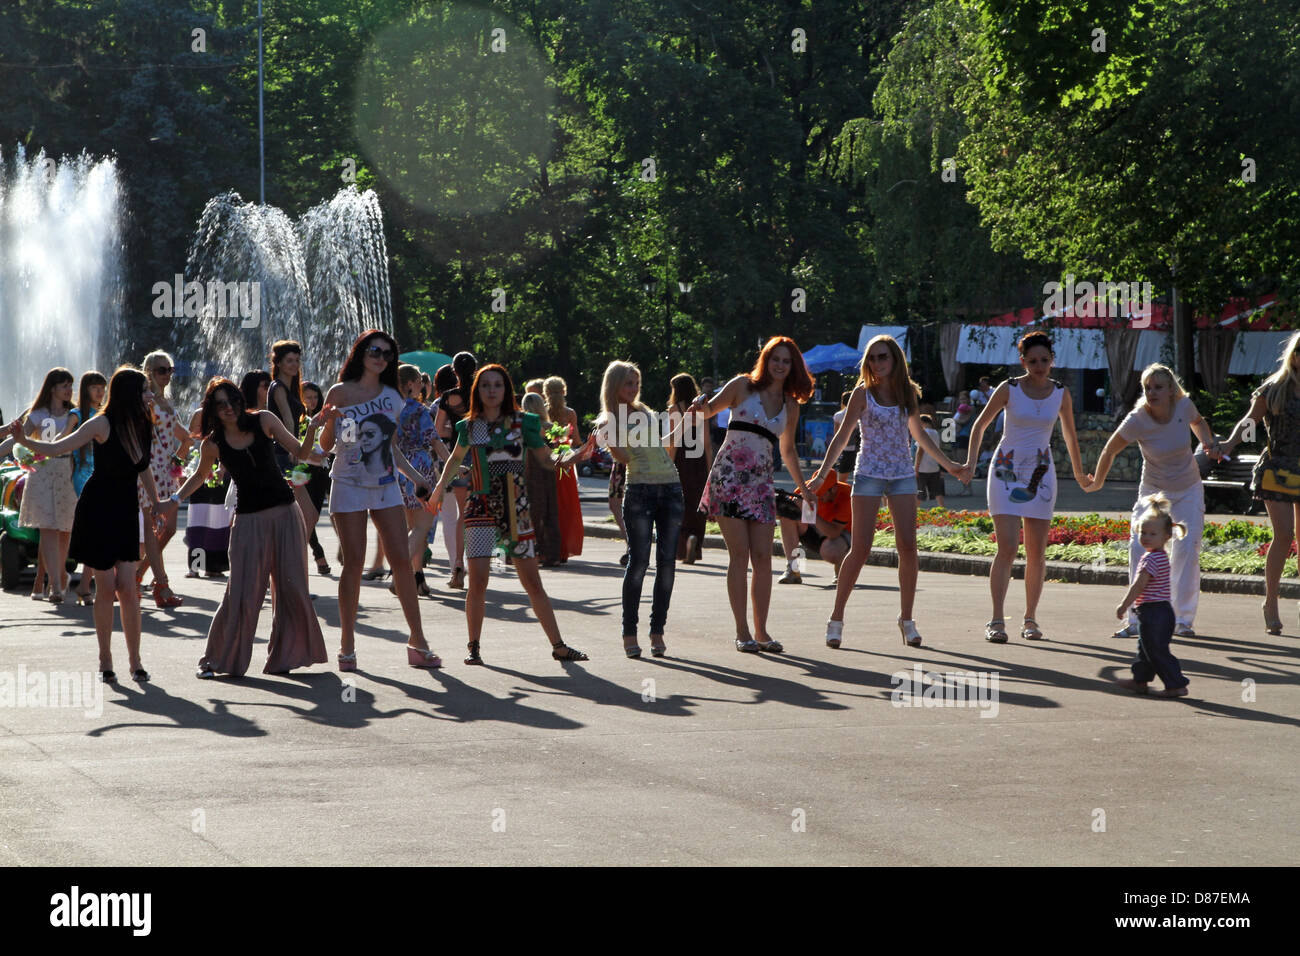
column 363, row 482
column 884, row 410
column 739, row 491
column 1022, row 482
column 497, row 436
column 104, row 527
column 1161, row 423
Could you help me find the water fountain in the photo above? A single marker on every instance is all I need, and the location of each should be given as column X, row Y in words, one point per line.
column 61, row 270
column 320, row 281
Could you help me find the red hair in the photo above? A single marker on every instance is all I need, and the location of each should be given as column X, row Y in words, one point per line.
column 508, row 406
column 798, row 384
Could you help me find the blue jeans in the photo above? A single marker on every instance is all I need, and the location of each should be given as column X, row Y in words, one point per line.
column 661, row 507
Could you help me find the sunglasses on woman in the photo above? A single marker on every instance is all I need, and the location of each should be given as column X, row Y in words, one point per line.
column 379, row 351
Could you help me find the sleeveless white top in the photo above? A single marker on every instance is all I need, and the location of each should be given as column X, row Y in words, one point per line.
column 367, row 458
column 886, row 450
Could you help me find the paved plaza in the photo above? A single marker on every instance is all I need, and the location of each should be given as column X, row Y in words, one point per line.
column 706, row 756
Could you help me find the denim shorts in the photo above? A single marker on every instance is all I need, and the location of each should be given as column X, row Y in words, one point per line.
column 883, row 487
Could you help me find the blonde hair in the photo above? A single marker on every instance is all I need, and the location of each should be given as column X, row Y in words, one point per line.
column 158, row 358
column 1157, row 509
column 1278, row 386
column 616, row 376
column 1175, row 386
column 554, row 389
column 535, row 404
column 906, row 392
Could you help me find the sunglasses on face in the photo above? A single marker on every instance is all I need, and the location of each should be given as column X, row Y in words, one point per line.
column 221, row 404
column 379, row 351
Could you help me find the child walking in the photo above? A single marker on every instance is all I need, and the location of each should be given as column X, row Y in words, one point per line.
column 1149, row 594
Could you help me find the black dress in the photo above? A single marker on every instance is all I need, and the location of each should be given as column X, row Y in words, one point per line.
column 105, row 527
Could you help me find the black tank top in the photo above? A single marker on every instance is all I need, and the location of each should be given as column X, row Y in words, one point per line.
column 296, row 407
column 259, row 482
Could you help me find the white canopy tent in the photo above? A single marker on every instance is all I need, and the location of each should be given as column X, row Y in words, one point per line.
column 1253, row 353
column 898, row 332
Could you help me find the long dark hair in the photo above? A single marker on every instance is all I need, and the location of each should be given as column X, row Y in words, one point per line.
column 210, row 417
column 278, row 351
column 356, row 360
column 249, row 386
column 53, row 378
column 125, row 410
column 315, row 389
column 86, row 407
column 444, row 380
column 682, row 389
column 508, row 406
column 466, row 368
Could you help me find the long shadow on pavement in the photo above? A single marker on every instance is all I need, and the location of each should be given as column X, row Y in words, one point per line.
column 152, row 700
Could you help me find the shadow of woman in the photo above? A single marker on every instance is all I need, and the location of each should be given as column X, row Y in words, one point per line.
column 152, row 700
column 466, row 703
column 578, row 682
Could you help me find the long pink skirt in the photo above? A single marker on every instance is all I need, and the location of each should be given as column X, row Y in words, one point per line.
column 264, row 546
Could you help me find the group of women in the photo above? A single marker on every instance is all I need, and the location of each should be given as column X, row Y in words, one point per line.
column 395, row 463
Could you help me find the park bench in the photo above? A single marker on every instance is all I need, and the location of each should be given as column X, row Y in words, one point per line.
column 1228, row 484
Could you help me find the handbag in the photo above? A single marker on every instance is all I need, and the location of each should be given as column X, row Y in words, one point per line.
column 1278, row 480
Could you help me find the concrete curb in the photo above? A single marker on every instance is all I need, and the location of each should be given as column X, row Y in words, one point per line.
column 1066, row 571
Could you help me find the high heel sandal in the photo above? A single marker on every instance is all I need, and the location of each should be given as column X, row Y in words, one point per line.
column 86, row 600
column 1029, row 631
column 473, row 653
column 457, row 582
column 569, row 653
column 322, row 566
column 910, row 636
column 375, row 574
column 422, row 657
column 422, row 586
column 140, row 675
column 771, row 647
column 633, row 650
column 660, row 649
column 163, row 596
column 1271, row 625
column 348, row 662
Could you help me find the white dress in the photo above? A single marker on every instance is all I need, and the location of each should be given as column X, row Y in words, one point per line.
column 1022, row 481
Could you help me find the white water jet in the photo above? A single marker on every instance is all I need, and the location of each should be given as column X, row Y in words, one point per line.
column 61, row 272
column 322, row 282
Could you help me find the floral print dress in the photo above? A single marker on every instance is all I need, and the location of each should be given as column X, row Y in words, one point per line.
column 740, row 482
column 415, row 433
column 166, row 473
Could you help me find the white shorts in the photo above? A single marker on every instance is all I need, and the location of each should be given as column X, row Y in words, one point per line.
column 345, row 497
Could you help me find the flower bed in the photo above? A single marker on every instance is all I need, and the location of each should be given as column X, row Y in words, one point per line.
column 1230, row 547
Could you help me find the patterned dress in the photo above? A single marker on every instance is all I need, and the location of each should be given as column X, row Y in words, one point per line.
column 1023, row 480
column 497, row 513
column 1282, row 448
column 740, row 482
column 165, row 444
column 415, row 434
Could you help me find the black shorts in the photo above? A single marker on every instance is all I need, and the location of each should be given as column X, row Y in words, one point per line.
column 929, row 485
column 847, row 461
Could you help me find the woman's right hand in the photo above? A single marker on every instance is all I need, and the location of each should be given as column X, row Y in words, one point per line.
column 15, row 431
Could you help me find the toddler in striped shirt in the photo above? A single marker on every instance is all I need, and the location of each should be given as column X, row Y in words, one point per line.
column 1149, row 594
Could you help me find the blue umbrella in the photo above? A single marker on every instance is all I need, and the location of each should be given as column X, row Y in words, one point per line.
column 836, row 357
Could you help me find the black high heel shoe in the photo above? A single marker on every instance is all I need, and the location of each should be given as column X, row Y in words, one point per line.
column 375, row 574
column 322, row 566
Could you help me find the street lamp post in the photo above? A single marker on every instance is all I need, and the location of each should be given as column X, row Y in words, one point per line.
column 261, row 135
